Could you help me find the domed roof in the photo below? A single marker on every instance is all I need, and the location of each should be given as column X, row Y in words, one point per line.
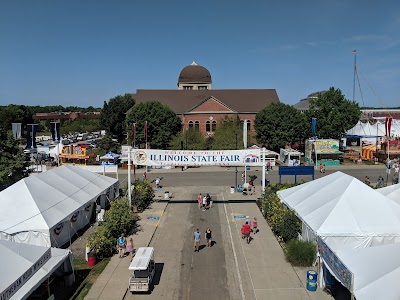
column 194, row 73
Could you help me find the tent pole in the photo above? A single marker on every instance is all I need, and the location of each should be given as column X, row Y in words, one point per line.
column 263, row 171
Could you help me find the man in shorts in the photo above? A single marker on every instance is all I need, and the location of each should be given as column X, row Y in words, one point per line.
column 246, row 231
column 197, row 238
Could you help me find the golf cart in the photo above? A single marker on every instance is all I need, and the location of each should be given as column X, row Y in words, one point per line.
column 143, row 270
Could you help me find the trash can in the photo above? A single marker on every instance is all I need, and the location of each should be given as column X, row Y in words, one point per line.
column 312, row 280
column 166, row 195
column 232, row 189
column 247, row 168
column 91, row 258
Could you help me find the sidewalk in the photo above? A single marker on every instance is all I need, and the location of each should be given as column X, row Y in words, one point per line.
column 267, row 274
column 112, row 283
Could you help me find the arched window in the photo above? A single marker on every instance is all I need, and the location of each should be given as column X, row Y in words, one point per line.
column 213, row 126
column 208, row 127
column 248, row 125
column 197, row 125
column 190, row 124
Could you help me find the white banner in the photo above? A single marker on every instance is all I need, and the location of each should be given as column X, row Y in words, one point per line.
column 150, row 157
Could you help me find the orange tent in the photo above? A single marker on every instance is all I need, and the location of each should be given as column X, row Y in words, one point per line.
column 367, row 152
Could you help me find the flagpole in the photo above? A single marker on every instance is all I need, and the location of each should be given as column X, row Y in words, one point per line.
column 354, row 74
column 147, row 167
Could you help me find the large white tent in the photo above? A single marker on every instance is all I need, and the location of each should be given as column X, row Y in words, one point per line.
column 24, row 267
column 50, row 207
column 392, row 192
column 344, row 212
column 376, row 271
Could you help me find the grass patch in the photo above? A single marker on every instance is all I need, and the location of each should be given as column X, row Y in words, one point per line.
column 81, row 265
column 301, row 253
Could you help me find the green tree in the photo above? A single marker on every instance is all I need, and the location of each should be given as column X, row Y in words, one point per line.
column 191, row 139
column 113, row 114
column 335, row 114
column 119, row 218
column 162, row 124
column 228, row 134
column 107, row 144
column 12, row 161
column 279, row 124
column 142, row 194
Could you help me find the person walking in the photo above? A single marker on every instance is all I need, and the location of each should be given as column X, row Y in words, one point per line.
column 210, row 201
column 158, row 182
column 204, row 203
column 197, row 238
column 144, row 176
column 121, row 245
column 255, row 225
column 208, row 237
column 130, row 248
column 247, row 229
column 242, row 230
column 200, row 200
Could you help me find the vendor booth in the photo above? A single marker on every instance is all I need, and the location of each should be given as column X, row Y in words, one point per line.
column 344, row 212
column 290, row 157
column 53, row 206
column 368, row 273
column 323, row 151
column 109, row 159
column 25, row 267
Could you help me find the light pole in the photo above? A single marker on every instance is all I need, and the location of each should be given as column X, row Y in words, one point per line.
column 236, row 171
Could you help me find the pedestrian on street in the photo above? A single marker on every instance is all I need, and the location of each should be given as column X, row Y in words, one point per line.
column 121, row 245
column 255, row 225
column 158, row 182
column 208, row 237
column 197, row 238
column 242, row 230
column 247, row 229
column 204, row 203
column 144, row 176
column 210, row 201
column 130, row 248
column 200, row 200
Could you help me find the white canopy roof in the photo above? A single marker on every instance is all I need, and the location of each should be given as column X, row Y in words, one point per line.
column 345, row 212
column 110, row 155
column 392, row 192
column 17, row 259
column 366, row 129
column 142, row 258
column 47, row 198
column 376, row 271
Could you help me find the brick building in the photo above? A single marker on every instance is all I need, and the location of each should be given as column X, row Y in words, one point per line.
column 201, row 107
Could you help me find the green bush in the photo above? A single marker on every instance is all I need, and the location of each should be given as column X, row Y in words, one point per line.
column 142, row 194
column 289, row 226
column 102, row 241
column 301, row 253
column 119, row 218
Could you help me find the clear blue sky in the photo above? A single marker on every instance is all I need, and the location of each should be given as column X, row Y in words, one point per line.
column 85, row 52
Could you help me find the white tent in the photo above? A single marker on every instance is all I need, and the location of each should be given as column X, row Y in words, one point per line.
column 24, row 267
column 392, row 192
column 376, row 271
column 48, row 208
column 344, row 212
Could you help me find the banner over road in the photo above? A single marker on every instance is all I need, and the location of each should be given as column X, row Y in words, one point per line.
column 150, row 157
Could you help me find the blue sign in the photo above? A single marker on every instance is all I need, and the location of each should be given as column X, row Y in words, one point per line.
column 239, row 217
column 296, row 171
column 153, row 218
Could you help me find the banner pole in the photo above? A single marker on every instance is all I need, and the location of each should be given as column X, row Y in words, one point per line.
column 263, row 170
column 129, row 178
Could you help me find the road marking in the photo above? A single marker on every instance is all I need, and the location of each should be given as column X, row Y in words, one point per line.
column 245, row 259
column 234, row 251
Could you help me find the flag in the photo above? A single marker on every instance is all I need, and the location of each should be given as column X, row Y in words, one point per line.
column 55, row 131
column 245, row 134
column 354, row 52
column 133, row 135
column 388, row 125
column 314, row 127
column 16, row 130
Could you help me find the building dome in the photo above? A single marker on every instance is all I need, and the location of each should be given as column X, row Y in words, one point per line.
column 194, row 74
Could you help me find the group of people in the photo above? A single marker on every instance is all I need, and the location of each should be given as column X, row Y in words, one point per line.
column 197, row 239
column 248, row 227
column 204, row 202
column 125, row 247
